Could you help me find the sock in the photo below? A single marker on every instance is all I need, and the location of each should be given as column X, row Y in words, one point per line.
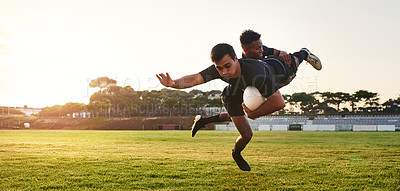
column 301, row 55
column 211, row 119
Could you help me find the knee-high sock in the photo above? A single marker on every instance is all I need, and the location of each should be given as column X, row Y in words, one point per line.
column 301, row 55
column 212, row 119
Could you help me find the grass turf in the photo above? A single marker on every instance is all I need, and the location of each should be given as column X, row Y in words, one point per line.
column 172, row 160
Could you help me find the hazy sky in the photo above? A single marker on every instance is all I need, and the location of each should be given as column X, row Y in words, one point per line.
column 51, row 49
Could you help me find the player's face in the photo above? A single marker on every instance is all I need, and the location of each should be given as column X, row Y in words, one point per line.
column 228, row 67
column 254, row 50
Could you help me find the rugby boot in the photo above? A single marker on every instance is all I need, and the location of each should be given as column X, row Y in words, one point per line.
column 197, row 125
column 313, row 60
column 242, row 164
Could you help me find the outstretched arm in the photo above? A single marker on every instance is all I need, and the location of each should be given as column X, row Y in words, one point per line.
column 181, row 83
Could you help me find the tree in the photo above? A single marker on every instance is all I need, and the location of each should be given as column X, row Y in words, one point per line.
column 336, row 98
column 62, row 110
column 391, row 106
column 70, row 108
column 353, row 102
column 170, row 103
column 196, row 93
column 120, row 101
column 306, row 101
column 102, row 82
column 53, row 111
column 368, row 99
column 214, row 103
column 98, row 108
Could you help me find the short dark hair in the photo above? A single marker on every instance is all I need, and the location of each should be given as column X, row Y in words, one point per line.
column 248, row 36
column 220, row 50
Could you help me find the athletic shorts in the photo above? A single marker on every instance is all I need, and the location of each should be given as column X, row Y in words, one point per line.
column 232, row 101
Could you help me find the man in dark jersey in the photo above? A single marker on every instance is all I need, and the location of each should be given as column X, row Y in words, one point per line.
column 252, row 48
column 267, row 75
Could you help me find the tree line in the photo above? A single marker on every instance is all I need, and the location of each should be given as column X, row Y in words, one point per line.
column 116, row 101
column 362, row 101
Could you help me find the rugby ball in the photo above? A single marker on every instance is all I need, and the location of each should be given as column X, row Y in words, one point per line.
column 252, row 98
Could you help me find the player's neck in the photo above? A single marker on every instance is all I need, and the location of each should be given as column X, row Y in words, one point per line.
column 238, row 70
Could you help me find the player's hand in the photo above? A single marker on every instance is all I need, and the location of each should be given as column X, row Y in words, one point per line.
column 286, row 58
column 248, row 112
column 165, row 80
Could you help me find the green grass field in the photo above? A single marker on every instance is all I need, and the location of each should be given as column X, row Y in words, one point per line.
column 172, row 160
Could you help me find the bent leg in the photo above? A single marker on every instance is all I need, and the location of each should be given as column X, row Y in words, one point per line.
column 291, row 77
column 224, row 117
column 242, row 125
column 246, row 134
column 200, row 122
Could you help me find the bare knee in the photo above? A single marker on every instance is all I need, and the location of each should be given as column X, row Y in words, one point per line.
column 247, row 136
column 224, row 117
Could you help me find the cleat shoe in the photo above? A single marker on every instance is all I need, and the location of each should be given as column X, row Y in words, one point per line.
column 242, row 164
column 313, row 60
column 197, row 125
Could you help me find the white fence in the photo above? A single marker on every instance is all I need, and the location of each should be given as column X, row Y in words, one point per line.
column 386, row 128
column 279, row 127
column 264, row 127
column 310, row 128
column 326, row 128
column 364, row 127
column 224, row 127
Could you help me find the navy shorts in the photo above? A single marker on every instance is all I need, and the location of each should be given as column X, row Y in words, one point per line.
column 232, row 101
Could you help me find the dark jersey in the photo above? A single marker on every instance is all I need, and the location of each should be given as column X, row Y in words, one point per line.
column 266, row 52
column 266, row 75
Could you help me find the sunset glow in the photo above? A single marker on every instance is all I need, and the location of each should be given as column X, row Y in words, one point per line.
column 50, row 50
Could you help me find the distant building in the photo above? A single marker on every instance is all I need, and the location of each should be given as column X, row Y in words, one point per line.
column 30, row 111
column 27, row 111
column 214, row 96
column 214, row 110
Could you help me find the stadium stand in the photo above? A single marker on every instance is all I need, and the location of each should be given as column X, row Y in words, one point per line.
column 371, row 122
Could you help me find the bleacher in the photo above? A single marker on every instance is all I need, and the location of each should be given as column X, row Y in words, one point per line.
column 325, row 123
column 281, row 120
column 359, row 120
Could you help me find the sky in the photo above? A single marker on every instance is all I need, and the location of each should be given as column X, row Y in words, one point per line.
column 50, row 50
